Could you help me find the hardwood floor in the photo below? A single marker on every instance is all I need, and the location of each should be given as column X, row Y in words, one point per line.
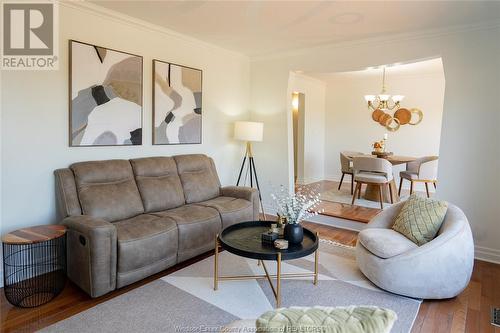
column 469, row 312
column 70, row 302
column 337, row 209
column 343, row 236
column 342, row 210
column 346, row 211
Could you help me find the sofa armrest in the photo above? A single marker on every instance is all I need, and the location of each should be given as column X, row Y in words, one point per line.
column 91, row 254
column 243, row 192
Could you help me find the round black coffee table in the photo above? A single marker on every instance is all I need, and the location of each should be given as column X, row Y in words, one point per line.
column 244, row 239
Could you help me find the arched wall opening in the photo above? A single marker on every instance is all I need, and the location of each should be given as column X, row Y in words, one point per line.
column 336, row 117
column 467, row 149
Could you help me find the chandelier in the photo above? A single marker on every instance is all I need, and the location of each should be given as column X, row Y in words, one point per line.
column 383, row 103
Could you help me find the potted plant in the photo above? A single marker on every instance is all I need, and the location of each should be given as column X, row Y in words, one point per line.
column 294, row 208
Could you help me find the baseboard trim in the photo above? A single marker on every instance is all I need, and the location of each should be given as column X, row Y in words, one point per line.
column 487, row 254
column 335, row 178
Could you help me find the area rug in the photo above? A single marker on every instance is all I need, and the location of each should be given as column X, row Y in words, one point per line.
column 184, row 301
column 342, row 196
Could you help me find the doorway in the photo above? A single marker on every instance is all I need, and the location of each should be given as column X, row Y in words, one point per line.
column 298, row 118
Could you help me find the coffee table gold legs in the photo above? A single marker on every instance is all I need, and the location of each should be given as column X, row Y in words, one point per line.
column 276, row 290
column 278, row 280
column 216, row 263
column 316, row 261
column 278, row 276
column 316, row 257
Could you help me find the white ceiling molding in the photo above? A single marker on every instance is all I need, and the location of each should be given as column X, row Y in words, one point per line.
column 310, row 78
column 394, row 38
column 421, row 68
column 386, row 39
column 263, row 28
column 138, row 23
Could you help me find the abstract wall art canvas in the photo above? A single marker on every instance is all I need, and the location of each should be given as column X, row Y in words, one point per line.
column 106, row 96
column 177, row 96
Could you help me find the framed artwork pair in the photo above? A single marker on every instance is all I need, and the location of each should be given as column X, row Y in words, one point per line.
column 106, row 99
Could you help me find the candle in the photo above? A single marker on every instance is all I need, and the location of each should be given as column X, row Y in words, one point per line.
column 385, row 136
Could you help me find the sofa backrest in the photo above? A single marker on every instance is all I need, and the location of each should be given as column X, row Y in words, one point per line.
column 118, row 189
column 198, row 177
column 107, row 189
column 158, row 183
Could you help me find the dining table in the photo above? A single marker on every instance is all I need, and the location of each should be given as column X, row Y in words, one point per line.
column 372, row 191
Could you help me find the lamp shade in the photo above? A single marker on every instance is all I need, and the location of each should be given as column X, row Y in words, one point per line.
column 248, row 131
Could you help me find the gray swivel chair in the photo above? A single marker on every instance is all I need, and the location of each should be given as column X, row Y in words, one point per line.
column 372, row 171
column 422, row 170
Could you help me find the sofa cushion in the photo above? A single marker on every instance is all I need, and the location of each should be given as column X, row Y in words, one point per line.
column 107, row 189
column 370, row 177
column 420, row 219
column 197, row 227
column 231, row 210
column 385, row 243
column 359, row 319
column 144, row 240
column 158, row 183
column 198, row 177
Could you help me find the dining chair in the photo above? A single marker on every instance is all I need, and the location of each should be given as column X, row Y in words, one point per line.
column 372, row 171
column 423, row 170
column 345, row 166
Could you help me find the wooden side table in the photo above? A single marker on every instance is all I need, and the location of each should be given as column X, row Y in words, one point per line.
column 34, row 264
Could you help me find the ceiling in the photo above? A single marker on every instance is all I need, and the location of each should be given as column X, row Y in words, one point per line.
column 258, row 28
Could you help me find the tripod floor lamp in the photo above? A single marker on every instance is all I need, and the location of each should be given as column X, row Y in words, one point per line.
column 250, row 132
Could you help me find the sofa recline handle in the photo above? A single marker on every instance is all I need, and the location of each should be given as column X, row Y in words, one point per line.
column 82, row 240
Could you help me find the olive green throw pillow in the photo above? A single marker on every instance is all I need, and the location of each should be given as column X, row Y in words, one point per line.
column 352, row 319
column 420, row 219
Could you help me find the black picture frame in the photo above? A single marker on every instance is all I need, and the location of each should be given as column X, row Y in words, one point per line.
column 154, row 106
column 71, row 130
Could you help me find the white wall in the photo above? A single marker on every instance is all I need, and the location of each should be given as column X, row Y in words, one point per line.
column 314, row 125
column 469, row 150
column 350, row 126
column 34, row 119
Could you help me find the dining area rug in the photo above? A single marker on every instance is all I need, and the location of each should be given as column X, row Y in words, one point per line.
column 185, row 301
column 344, row 196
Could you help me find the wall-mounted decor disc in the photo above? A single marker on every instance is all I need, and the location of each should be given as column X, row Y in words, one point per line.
column 384, row 119
column 377, row 114
column 392, row 124
column 403, row 115
column 416, row 113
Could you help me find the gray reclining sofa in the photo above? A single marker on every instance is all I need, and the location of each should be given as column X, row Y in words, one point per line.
column 128, row 219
